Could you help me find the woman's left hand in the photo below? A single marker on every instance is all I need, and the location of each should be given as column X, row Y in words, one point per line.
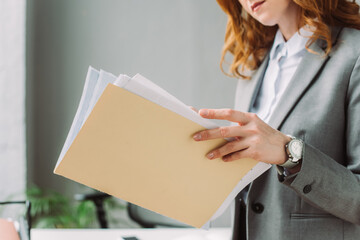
column 253, row 138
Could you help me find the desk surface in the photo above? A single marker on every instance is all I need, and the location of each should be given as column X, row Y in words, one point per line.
column 141, row 234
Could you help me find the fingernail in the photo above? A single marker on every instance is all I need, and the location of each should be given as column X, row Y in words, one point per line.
column 197, row 136
column 204, row 112
column 210, row 155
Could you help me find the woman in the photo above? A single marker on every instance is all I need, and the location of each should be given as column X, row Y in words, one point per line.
column 299, row 68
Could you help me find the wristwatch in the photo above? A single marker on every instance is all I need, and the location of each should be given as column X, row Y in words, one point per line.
column 294, row 150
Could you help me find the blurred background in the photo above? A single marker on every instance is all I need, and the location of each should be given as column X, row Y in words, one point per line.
column 46, row 47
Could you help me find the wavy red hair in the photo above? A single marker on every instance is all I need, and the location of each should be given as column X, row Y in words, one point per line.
column 249, row 41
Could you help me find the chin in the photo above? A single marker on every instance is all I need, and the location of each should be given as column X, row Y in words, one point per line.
column 266, row 21
column 268, row 24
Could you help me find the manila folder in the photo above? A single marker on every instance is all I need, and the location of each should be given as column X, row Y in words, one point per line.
column 138, row 151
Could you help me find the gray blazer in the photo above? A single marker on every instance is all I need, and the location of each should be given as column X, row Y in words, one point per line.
column 321, row 106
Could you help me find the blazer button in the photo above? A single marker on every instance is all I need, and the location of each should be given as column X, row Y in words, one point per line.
column 257, row 208
column 307, row 189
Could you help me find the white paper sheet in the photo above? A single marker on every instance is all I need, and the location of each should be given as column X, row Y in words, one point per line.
column 143, row 87
column 104, row 79
column 88, row 90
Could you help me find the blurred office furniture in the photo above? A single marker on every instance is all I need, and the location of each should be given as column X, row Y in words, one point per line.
column 23, row 223
column 8, row 230
column 98, row 199
column 145, row 218
column 150, row 219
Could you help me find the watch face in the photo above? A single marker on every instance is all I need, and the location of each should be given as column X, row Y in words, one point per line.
column 295, row 148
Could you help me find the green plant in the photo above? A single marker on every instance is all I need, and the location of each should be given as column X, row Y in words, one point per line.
column 53, row 210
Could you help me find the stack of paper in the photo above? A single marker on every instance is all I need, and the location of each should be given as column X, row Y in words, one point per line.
column 133, row 140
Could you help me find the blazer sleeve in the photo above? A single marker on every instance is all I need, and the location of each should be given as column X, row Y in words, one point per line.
column 323, row 182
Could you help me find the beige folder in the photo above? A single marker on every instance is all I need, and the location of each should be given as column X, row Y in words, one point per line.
column 140, row 152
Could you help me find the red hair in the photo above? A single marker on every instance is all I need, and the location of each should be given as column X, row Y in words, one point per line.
column 249, row 41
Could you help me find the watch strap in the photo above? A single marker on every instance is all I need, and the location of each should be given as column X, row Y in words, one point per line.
column 290, row 162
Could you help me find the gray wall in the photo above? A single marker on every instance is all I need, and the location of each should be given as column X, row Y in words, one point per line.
column 176, row 44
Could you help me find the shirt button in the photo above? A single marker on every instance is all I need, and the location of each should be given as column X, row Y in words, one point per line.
column 257, row 208
column 307, row 189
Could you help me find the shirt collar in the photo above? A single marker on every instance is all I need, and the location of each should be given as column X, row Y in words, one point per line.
column 294, row 45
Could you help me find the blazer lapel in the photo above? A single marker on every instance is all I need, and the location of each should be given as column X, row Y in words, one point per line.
column 248, row 90
column 304, row 75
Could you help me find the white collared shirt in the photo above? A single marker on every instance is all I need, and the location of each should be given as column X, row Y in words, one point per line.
column 284, row 60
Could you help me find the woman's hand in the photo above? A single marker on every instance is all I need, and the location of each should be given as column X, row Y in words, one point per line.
column 252, row 137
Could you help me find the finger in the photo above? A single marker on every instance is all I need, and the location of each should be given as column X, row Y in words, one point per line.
column 227, row 149
column 194, row 109
column 225, row 114
column 221, row 132
column 245, row 153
